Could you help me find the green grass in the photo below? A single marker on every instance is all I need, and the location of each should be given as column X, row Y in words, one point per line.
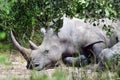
column 4, row 60
column 73, row 75
column 59, row 74
column 35, row 76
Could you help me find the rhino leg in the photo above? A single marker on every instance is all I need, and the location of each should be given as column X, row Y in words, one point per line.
column 105, row 55
column 75, row 61
column 97, row 48
column 110, row 56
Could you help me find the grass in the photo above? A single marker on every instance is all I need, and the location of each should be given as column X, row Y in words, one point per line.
column 70, row 74
column 4, row 60
column 59, row 75
column 77, row 74
column 62, row 72
column 37, row 76
column 111, row 72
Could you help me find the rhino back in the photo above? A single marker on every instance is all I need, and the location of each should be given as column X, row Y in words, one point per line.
column 80, row 33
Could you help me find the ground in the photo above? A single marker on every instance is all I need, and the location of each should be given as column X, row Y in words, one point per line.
column 16, row 69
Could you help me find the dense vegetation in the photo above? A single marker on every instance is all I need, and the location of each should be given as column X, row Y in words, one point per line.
column 26, row 17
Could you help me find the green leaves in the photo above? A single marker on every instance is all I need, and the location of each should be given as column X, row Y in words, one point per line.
column 3, row 47
column 28, row 16
column 2, row 35
column 107, row 13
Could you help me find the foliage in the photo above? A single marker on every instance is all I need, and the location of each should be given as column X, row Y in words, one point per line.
column 26, row 17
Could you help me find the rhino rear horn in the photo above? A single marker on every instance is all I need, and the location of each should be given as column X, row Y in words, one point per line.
column 24, row 51
column 33, row 46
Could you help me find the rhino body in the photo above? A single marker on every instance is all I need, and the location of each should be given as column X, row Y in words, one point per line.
column 75, row 38
column 94, row 38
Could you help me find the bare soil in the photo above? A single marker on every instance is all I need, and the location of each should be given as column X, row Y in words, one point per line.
column 16, row 68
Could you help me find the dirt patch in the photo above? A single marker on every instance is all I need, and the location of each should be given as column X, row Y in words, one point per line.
column 16, row 68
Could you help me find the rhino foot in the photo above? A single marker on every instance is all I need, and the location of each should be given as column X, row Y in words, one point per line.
column 75, row 61
column 110, row 64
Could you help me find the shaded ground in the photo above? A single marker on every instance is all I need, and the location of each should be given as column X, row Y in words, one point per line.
column 17, row 70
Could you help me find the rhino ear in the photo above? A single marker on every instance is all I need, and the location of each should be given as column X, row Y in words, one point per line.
column 43, row 30
column 64, row 16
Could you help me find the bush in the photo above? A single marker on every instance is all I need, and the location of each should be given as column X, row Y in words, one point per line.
column 26, row 17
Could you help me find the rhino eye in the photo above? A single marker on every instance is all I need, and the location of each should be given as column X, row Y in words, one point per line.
column 46, row 51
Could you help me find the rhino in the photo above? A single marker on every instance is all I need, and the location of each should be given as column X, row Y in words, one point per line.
column 75, row 42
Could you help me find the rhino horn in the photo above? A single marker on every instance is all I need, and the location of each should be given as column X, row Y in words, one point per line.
column 33, row 46
column 24, row 51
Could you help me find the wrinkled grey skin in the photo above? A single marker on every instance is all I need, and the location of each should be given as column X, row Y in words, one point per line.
column 109, row 53
column 113, row 39
column 74, row 37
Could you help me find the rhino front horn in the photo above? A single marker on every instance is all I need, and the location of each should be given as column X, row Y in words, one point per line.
column 24, row 51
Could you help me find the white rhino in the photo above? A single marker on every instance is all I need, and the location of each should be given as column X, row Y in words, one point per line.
column 75, row 38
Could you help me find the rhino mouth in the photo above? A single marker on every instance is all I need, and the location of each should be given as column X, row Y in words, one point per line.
column 33, row 66
column 38, row 67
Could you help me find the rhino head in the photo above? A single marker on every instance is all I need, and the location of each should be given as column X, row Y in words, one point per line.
column 44, row 56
